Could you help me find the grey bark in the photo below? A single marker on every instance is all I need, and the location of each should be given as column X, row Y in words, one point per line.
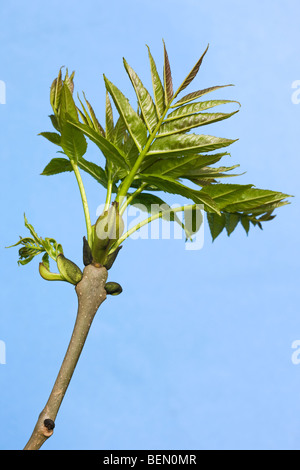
column 91, row 293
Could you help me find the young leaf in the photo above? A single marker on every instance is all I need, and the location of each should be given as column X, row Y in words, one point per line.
column 189, row 122
column 158, row 89
column 231, row 221
column 109, row 119
column 154, row 204
column 192, row 73
column 67, row 108
column 194, row 108
column 56, row 166
column 216, row 224
column 235, row 198
column 169, row 185
column 119, row 133
column 245, row 223
column 185, row 144
column 73, row 142
column 109, row 150
column 94, row 170
column 53, row 137
column 168, row 84
column 134, row 123
column 96, row 123
column 178, row 166
column 144, row 99
column 197, row 94
column 55, row 92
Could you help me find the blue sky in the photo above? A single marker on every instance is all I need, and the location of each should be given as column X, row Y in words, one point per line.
column 196, row 352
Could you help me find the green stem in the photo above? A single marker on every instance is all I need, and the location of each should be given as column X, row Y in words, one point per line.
column 84, row 203
column 149, row 220
column 109, row 191
column 130, row 177
column 129, row 199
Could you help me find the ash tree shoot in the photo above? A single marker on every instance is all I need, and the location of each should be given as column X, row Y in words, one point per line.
column 149, row 149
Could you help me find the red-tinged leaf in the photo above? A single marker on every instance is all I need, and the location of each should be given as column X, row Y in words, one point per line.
column 168, row 83
column 197, row 94
column 158, row 89
column 192, row 73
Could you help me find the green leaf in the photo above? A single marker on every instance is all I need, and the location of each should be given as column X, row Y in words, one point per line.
column 53, row 137
column 144, row 98
column 56, row 166
column 245, row 223
column 94, row 170
column 178, row 166
column 208, row 175
column 119, row 132
column 235, row 198
column 31, row 230
column 55, row 92
column 158, row 90
column 67, row 108
column 32, row 247
column 192, row 73
column 46, row 261
column 266, row 207
column 109, row 120
column 216, row 224
column 168, row 83
column 54, row 122
column 189, row 122
column 169, row 185
column 231, row 221
column 60, row 165
column 134, row 123
column 73, row 142
column 153, row 204
column 197, row 94
column 109, row 150
column 185, row 144
column 84, row 115
column 194, row 108
column 96, row 123
column 69, row 80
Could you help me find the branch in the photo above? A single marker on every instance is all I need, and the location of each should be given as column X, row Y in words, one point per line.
column 91, row 293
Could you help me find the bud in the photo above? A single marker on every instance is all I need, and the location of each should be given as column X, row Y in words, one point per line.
column 108, row 228
column 69, row 270
column 111, row 258
column 113, row 288
column 87, row 253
